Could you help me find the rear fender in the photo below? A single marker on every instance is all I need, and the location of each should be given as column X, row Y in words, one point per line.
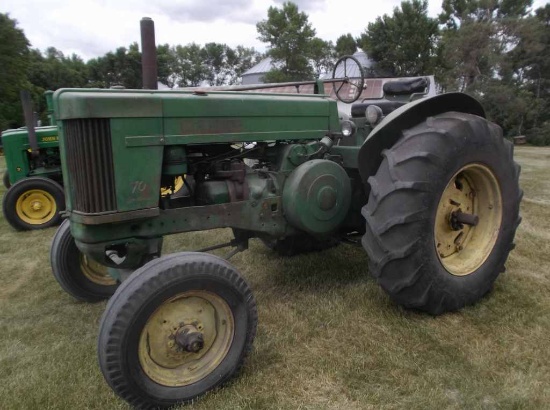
column 385, row 134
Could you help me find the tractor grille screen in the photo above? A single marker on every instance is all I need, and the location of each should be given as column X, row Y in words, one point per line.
column 90, row 163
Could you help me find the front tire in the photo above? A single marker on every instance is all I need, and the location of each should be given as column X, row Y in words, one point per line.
column 79, row 276
column 34, row 203
column 178, row 327
column 426, row 248
column 6, row 180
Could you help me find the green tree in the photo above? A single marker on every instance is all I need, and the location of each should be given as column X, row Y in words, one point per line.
column 166, row 65
column 345, row 45
column 321, row 55
column 239, row 60
column 404, row 44
column 214, row 57
column 497, row 51
column 52, row 70
column 289, row 35
column 122, row 67
column 478, row 33
column 191, row 69
column 14, row 60
column 511, row 106
column 528, row 65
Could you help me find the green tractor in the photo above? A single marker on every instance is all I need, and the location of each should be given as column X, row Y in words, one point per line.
column 35, row 196
column 429, row 188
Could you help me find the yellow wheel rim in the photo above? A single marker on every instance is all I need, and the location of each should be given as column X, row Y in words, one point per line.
column 178, row 184
column 96, row 272
column 463, row 248
column 163, row 356
column 36, row 207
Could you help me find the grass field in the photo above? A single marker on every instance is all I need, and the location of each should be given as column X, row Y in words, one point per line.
column 328, row 337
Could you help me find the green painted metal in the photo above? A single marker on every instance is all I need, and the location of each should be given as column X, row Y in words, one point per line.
column 17, row 154
column 387, row 132
column 93, row 103
column 174, row 161
column 137, row 169
column 157, row 134
column 316, row 196
column 143, row 122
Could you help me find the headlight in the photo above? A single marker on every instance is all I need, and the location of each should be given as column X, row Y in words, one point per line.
column 374, row 114
column 348, row 128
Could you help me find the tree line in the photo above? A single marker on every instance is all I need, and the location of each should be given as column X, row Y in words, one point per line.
column 495, row 50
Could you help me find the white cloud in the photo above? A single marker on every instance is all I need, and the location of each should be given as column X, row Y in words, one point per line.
column 91, row 28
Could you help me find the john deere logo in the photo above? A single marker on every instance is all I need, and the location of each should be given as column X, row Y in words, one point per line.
column 49, row 139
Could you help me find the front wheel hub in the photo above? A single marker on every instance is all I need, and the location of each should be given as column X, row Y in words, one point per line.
column 186, row 338
column 190, row 339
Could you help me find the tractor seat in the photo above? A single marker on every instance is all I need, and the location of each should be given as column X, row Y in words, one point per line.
column 358, row 110
column 405, row 87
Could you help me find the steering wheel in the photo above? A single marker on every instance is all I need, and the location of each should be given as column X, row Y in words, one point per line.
column 355, row 84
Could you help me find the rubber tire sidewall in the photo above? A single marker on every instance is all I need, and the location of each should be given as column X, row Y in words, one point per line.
column 9, row 202
column 475, row 285
column 136, row 303
column 65, row 263
column 470, row 140
column 6, row 180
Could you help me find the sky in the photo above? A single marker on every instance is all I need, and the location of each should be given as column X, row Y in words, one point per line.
column 91, row 28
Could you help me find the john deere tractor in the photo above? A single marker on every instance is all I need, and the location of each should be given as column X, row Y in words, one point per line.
column 35, row 195
column 429, row 187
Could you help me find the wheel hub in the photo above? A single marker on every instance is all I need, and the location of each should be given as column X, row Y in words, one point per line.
column 458, row 219
column 36, row 206
column 186, row 338
column 468, row 219
column 190, row 339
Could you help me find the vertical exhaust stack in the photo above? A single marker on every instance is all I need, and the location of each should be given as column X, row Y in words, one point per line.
column 148, row 54
column 29, row 121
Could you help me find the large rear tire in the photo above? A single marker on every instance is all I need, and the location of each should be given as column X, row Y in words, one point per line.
column 34, row 203
column 442, row 213
column 178, row 327
column 79, row 276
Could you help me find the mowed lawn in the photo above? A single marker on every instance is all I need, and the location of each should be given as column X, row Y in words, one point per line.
column 328, row 337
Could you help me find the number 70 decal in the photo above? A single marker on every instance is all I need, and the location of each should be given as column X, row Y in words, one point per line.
column 138, row 186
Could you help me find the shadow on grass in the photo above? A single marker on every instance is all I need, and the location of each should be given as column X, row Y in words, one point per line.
column 318, row 271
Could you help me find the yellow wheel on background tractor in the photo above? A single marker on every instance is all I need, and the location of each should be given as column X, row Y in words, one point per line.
column 35, row 207
column 34, row 203
column 178, row 327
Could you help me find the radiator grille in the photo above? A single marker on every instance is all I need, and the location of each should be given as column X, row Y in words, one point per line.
column 90, row 164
